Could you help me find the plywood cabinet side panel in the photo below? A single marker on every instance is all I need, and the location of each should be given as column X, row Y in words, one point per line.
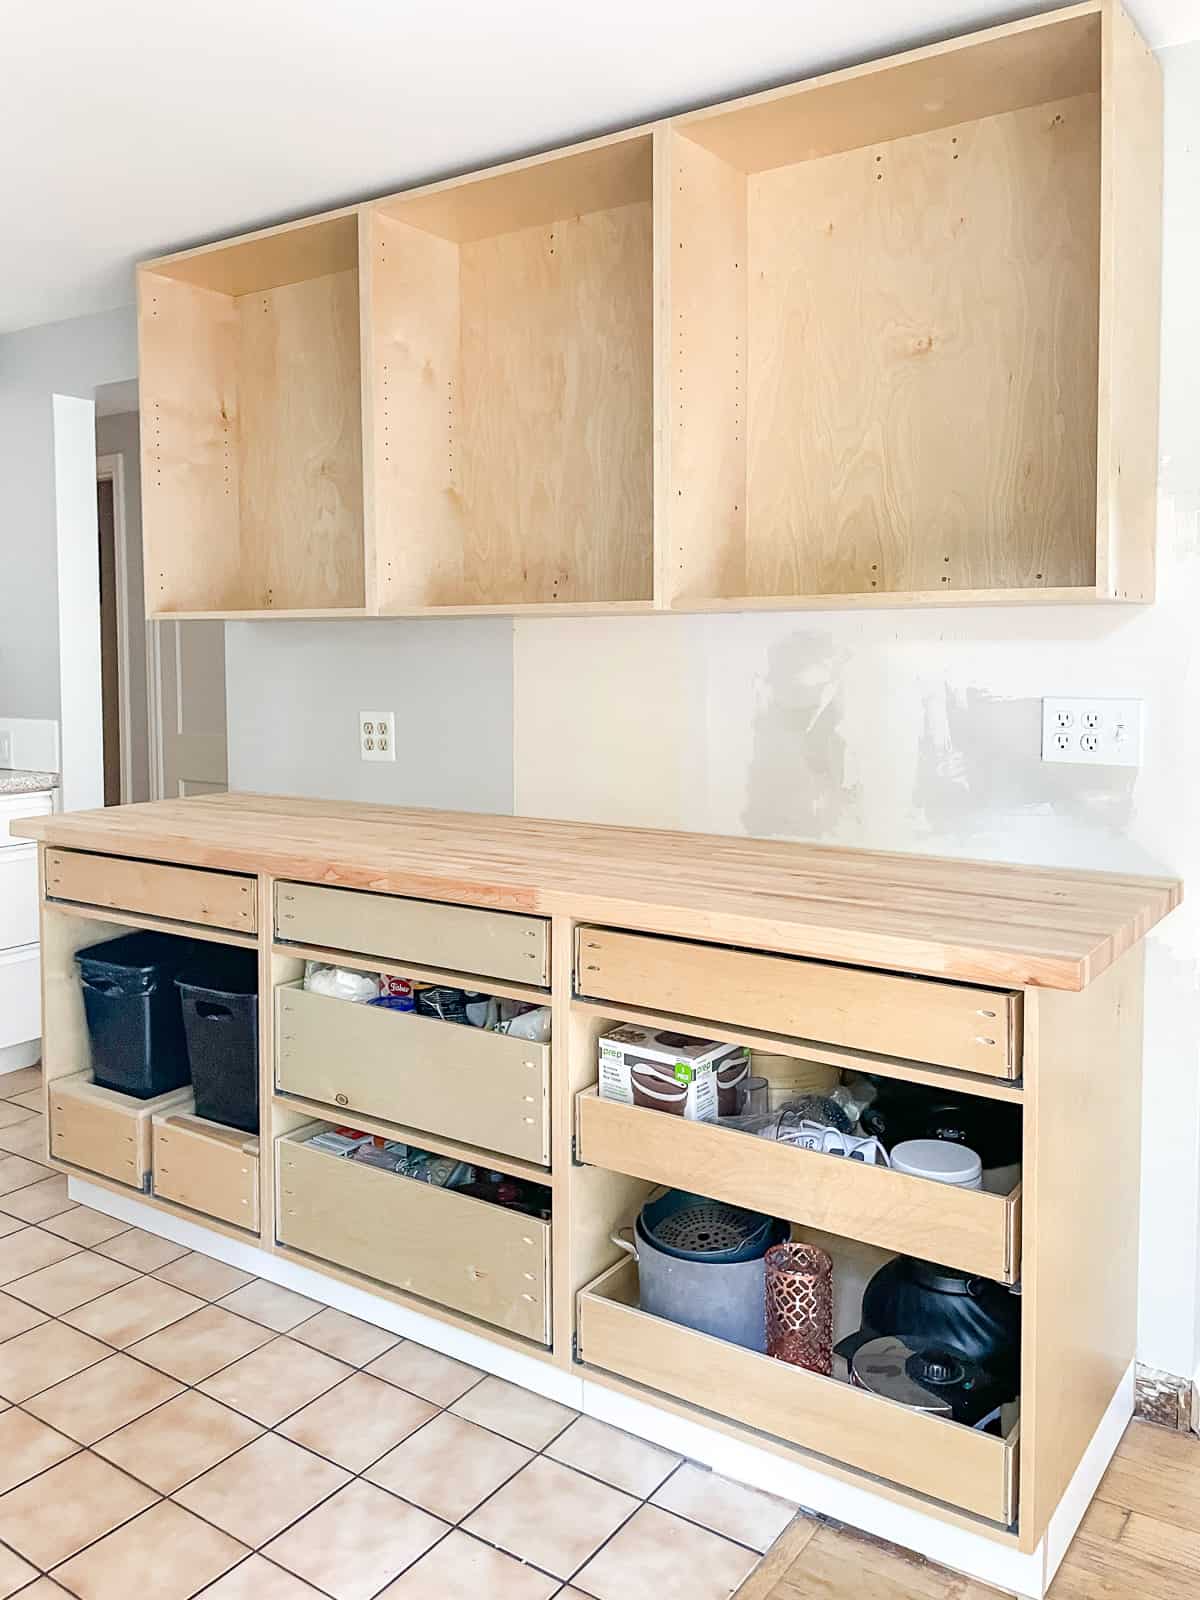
column 300, row 478
column 413, row 319
column 704, row 403
column 1130, row 299
column 190, row 429
column 923, row 360
column 554, row 421
column 1081, row 1181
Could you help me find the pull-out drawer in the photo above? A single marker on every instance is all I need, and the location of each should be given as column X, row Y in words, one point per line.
column 975, row 1472
column 105, row 1132
column 496, row 944
column 208, row 1168
column 963, row 1228
column 20, row 995
column 18, row 897
column 485, row 1089
column 181, row 894
column 461, row 1252
column 947, row 1024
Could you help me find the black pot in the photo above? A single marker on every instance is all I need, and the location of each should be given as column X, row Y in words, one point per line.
column 909, row 1111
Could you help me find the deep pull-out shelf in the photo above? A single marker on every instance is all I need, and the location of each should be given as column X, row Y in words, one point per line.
column 964, row 1228
column 105, row 1132
column 207, row 1168
column 971, row 1471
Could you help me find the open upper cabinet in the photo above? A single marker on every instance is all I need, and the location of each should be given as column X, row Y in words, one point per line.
column 885, row 337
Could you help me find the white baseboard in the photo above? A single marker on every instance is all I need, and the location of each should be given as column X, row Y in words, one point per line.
column 973, row 1554
column 16, row 1056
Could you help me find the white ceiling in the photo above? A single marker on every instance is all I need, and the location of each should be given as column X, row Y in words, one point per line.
column 139, row 126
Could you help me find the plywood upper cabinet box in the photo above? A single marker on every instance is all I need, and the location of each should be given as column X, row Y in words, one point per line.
column 251, row 422
column 511, row 390
column 901, row 301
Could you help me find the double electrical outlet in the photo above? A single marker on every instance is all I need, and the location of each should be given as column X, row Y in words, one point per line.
column 377, row 735
column 1099, row 733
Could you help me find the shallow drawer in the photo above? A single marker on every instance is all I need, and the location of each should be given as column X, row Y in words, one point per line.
column 964, row 1228
column 105, row 1132
column 18, row 897
column 482, row 1088
column 496, row 944
column 182, row 894
column 460, row 1252
column 975, row 1472
column 20, row 995
column 15, row 806
column 948, row 1024
column 207, row 1168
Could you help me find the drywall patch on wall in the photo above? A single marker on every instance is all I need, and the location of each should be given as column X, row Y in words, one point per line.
column 797, row 783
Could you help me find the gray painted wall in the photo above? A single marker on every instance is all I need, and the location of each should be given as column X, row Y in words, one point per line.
column 294, row 691
column 71, row 358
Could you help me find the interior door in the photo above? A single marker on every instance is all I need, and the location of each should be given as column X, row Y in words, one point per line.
column 190, row 675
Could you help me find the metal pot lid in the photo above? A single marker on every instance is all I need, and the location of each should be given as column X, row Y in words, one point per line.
column 702, row 1229
column 908, row 1374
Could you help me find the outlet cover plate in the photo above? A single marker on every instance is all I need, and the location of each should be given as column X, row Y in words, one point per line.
column 377, row 735
column 1092, row 733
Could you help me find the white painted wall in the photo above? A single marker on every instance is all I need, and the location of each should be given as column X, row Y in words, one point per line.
column 920, row 731
column 117, row 435
column 78, row 559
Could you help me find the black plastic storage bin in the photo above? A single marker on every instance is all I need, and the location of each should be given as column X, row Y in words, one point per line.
column 220, row 1018
column 133, row 1014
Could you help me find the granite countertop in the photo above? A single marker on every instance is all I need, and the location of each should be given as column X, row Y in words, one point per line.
column 14, row 780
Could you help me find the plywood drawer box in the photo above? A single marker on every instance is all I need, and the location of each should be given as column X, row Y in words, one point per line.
column 458, row 1251
column 974, row 1472
column 495, row 944
column 482, row 1088
column 105, row 1132
column 948, row 1024
column 206, row 1167
column 964, row 1228
column 181, row 894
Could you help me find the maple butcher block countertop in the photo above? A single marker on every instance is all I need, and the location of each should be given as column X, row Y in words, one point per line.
column 976, row 921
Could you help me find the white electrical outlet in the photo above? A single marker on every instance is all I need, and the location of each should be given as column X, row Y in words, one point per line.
column 377, row 735
column 1096, row 733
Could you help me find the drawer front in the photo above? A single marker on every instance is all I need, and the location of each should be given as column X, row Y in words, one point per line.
column 963, row 1228
column 20, row 996
column 495, row 944
column 207, row 1168
column 18, row 897
column 104, row 1132
column 482, row 1088
column 947, row 1024
column 975, row 1472
column 15, row 806
column 463, row 1253
column 180, row 894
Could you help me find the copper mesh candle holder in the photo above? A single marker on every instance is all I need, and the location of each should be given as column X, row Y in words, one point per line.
column 799, row 1297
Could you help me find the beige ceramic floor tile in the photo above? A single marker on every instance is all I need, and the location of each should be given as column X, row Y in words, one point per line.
column 727, row 1508
column 133, row 1312
column 345, row 1338
column 16, row 1316
column 22, row 1082
column 658, row 1557
column 102, row 1399
column 41, row 1201
column 43, row 1357
column 145, row 1251
column 261, row 1489
column 28, row 1251
column 28, row 1447
column 69, row 1283
column 518, row 1414
column 257, row 1579
column 267, row 1303
column 80, row 1500
column 177, row 1442
column 17, row 1172
column 31, row 1100
column 44, row 1589
column 551, row 1516
column 356, row 1542
column 25, row 1138
column 426, row 1372
column 276, row 1380
column 13, row 1111
column 449, row 1466
column 616, row 1457
column 14, row 1573
column 202, row 1275
column 85, row 1226
column 358, row 1421
column 10, row 1224
column 168, row 1553
column 461, row 1566
column 201, row 1344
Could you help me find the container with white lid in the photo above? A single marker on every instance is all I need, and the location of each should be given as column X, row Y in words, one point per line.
column 943, row 1160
